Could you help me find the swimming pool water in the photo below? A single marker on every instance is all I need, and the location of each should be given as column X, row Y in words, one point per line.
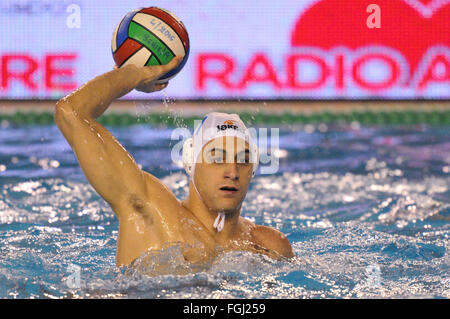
column 366, row 209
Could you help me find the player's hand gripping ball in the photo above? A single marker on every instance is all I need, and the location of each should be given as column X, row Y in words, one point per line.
column 150, row 36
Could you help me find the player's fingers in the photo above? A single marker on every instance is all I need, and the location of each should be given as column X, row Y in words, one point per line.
column 163, row 69
column 171, row 65
column 155, row 71
column 161, row 86
column 147, row 87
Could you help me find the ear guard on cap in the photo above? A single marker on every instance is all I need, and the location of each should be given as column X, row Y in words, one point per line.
column 188, row 157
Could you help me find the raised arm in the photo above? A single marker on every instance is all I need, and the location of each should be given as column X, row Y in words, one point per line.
column 109, row 168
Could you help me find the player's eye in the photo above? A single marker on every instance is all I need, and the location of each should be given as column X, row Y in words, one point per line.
column 217, row 157
column 243, row 158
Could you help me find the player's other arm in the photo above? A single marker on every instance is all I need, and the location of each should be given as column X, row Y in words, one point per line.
column 109, row 168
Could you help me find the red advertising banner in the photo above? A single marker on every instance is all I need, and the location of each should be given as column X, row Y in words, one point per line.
column 310, row 49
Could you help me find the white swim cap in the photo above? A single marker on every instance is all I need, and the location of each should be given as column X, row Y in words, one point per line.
column 215, row 125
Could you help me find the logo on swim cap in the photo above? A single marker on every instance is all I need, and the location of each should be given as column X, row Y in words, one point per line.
column 227, row 125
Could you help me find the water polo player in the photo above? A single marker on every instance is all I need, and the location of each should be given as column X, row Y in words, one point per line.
column 220, row 159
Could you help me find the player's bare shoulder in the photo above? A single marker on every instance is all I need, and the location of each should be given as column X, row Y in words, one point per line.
column 272, row 239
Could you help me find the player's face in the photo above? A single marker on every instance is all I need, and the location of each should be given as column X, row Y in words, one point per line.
column 223, row 173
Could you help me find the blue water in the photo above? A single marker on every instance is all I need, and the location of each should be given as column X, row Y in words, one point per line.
column 367, row 210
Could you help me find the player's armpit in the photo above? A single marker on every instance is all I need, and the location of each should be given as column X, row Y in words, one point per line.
column 109, row 168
